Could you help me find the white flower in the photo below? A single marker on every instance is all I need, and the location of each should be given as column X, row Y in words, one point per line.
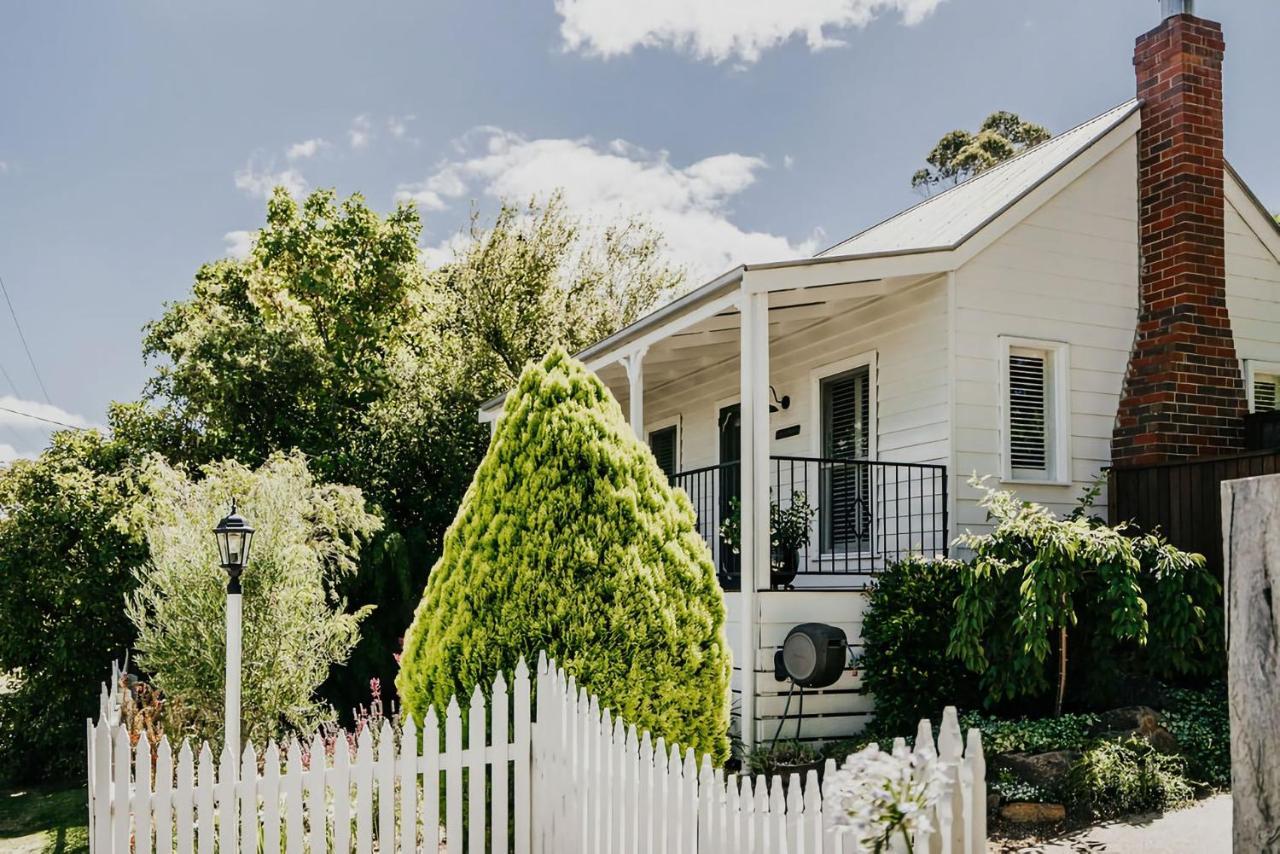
column 877, row 795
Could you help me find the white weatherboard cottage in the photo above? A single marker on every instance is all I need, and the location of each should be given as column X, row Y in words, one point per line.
column 986, row 330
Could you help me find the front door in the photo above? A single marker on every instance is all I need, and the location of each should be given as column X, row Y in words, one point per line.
column 730, row 487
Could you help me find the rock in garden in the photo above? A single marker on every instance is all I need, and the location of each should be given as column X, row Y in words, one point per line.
column 1047, row 770
column 1162, row 740
column 1144, row 719
column 1022, row 812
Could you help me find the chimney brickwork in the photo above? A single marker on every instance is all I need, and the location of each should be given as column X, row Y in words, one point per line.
column 1183, row 393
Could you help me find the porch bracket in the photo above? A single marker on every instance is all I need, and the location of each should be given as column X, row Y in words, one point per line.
column 634, row 363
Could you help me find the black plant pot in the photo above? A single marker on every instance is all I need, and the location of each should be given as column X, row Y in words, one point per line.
column 784, row 563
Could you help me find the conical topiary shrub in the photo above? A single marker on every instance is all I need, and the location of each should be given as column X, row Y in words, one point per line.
column 570, row 540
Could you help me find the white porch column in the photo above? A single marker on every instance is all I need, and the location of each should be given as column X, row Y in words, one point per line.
column 754, row 376
column 635, row 384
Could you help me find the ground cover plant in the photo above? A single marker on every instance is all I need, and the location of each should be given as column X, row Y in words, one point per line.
column 570, row 540
column 1126, row 776
column 41, row 819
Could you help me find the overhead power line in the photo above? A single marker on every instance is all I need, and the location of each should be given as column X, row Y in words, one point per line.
column 10, row 381
column 42, row 418
column 23, row 339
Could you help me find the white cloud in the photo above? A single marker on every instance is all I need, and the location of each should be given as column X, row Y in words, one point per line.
column 717, row 30
column 47, row 411
column 689, row 204
column 306, row 148
column 398, row 126
column 788, row 162
column 4, row 168
column 239, row 243
column 27, row 436
column 361, row 132
column 259, row 180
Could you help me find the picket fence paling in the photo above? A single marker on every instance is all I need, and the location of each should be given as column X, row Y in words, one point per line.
column 574, row 778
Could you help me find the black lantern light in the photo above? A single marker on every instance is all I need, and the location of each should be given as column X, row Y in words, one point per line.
column 234, row 536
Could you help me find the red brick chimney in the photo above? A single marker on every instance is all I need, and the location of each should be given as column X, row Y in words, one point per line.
column 1183, row 394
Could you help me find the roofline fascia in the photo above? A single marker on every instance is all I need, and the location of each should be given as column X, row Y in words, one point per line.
column 717, row 287
column 1261, row 208
column 740, row 275
column 1051, row 174
column 1135, row 107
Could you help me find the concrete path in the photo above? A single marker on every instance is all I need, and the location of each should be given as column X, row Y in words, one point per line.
column 1201, row 829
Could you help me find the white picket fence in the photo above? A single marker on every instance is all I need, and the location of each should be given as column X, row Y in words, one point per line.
column 574, row 781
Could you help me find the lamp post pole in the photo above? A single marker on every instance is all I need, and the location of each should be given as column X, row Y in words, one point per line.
column 234, row 615
column 234, row 536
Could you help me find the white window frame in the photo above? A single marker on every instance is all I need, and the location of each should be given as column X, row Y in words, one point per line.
column 1059, row 441
column 1253, row 367
column 866, row 360
column 817, row 375
column 662, row 424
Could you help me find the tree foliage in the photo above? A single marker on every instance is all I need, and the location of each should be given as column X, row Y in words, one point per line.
column 333, row 339
column 539, row 278
column 961, row 154
column 1035, row 578
column 308, row 536
column 570, row 540
column 65, row 561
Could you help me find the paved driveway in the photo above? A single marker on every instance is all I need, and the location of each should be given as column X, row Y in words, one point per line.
column 1202, row 829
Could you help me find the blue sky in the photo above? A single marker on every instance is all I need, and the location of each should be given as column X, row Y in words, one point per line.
column 137, row 138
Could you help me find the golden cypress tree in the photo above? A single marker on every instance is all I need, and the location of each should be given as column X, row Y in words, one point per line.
column 570, row 540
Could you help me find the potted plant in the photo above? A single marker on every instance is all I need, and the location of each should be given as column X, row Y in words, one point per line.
column 782, row 759
column 788, row 533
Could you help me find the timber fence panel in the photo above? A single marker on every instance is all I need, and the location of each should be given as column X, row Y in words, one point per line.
column 573, row 779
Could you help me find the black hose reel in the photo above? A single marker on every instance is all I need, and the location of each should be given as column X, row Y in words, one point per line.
column 813, row 656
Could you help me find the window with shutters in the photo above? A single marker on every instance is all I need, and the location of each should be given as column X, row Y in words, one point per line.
column 846, row 401
column 1034, row 379
column 1264, row 386
column 665, row 446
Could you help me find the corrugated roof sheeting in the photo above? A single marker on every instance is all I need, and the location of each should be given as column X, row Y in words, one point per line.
column 947, row 219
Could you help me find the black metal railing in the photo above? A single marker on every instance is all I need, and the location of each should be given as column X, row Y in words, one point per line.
column 864, row 515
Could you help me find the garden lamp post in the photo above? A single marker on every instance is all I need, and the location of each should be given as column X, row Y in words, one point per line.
column 234, row 535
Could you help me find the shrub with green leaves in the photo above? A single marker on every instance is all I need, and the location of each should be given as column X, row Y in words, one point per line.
column 1037, row 580
column 65, row 561
column 570, row 540
column 308, row 536
column 1200, row 721
column 905, row 631
column 1117, row 778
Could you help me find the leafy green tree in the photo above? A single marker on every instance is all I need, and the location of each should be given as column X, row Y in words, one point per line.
column 539, row 277
column 308, row 536
column 960, row 154
column 287, row 348
column 570, row 540
column 1035, row 578
column 331, row 338
column 65, row 561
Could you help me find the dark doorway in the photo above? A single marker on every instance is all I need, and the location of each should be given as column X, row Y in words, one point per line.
column 730, row 424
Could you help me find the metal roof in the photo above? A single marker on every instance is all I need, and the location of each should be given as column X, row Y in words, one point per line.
column 949, row 219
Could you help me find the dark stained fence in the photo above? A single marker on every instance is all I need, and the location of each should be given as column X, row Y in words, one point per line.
column 1183, row 499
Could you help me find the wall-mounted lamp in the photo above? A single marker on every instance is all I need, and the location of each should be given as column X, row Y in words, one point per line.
column 779, row 404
